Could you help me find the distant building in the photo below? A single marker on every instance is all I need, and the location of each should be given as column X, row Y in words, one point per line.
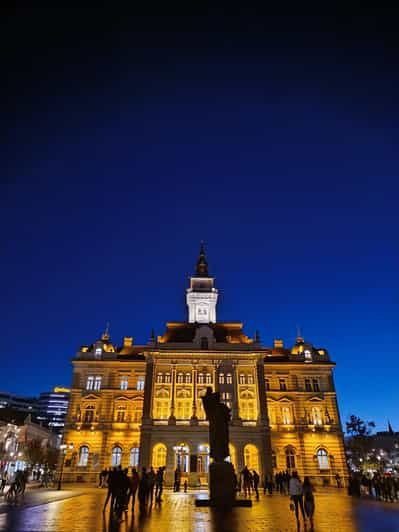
column 52, row 408
column 141, row 404
column 17, row 432
column 18, row 402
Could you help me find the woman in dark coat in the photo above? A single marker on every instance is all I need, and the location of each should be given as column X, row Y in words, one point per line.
column 308, row 499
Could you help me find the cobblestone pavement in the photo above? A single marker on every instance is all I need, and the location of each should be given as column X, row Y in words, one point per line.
column 81, row 511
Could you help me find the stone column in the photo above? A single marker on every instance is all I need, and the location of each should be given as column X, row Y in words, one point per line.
column 194, row 419
column 149, row 377
column 263, row 421
column 235, row 415
column 172, row 419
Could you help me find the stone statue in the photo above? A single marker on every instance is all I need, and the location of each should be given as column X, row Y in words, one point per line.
column 218, row 415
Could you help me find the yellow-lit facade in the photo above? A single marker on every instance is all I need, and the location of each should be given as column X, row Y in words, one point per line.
column 141, row 404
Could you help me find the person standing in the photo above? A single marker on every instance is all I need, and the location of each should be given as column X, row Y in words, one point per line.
column 255, row 483
column 246, row 477
column 143, row 490
column 295, row 492
column 308, row 500
column 112, row 482
column 134, row 484
column 151, row 485
column 3, row 481
column 159, row 484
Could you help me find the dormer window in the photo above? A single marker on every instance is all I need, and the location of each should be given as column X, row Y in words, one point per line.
column 124, row 383
column 98, row 352
column 308, row 355
column 204, row 343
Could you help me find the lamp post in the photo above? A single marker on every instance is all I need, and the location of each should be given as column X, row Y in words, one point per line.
column 63, row 448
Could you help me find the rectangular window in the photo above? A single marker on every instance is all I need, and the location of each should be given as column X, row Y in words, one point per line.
column 200, row 378
column 229, row 378
column 208, row 378
column 221, row 378
column 316, row 387
column 140, row 384
column 250, row 379
column 167, row 378
column 124, row 383
column 308, row 385
column 242, row 378
column 90, row 383
column 283, row 384
column 159, row 378
column 120, row 415
column 97, row 383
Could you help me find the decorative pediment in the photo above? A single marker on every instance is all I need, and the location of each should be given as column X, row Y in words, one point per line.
column 162, row 393
column 183, row 393
column 90, row 397
column 247, row 394
column 284, row 399
column 122, row 398
column 315, row 399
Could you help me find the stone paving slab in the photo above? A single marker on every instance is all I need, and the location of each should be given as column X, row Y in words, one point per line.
column 335, row 512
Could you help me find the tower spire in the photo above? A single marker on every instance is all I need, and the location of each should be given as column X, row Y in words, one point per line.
column 105, row 335
column 201, row 269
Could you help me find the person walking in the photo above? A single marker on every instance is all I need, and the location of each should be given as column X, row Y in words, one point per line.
column 112, row 482
column 143, row 490
column 308, row 500
column 255, row 483
column 134, row 484
column 295, row 492
column 151, row 485
column 246, row 477
column 3, row 481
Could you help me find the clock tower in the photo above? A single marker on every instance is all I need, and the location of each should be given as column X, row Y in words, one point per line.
column 202, row 296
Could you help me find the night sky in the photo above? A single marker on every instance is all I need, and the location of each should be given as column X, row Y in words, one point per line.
column 127, row 139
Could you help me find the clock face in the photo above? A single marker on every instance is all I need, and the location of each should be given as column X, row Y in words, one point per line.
column 202, row 313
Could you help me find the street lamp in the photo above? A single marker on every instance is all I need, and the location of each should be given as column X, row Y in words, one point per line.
column 63, row 448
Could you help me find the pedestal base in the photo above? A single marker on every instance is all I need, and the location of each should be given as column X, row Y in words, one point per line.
column 222, row 486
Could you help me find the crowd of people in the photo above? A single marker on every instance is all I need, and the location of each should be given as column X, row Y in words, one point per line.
column 123, row 488
column 379, row 487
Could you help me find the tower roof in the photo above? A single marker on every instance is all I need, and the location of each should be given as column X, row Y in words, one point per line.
column 201, row 270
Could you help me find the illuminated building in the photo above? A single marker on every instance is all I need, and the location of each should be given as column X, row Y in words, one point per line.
column 52, row 407
column 141, row 404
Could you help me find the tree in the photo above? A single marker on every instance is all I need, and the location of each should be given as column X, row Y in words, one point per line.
column 35, row 452
column 359, row 442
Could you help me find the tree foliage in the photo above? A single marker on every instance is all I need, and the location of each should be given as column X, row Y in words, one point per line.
column 359, row 442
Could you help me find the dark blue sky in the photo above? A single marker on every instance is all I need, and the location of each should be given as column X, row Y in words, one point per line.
column 128, row 140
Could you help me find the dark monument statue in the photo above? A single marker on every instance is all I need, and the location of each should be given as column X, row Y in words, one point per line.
column 222, row 479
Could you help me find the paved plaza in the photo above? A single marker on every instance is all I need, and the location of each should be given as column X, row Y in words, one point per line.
column 78, row 509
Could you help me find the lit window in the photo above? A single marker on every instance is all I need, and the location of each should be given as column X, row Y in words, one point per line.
column 183, row 409
column 221, row 378
column 322, row 458
column 120, row 414
column 283, row 384
column 97, row 383
column 286, row 415
column 208, row 378
column 124, row 383
column 167, row 378
column 316, row 416
column 161, row 409
column 137, row 413
column 116, row 456
column 134, row 456
column 267, row 382
column 188, row 378
column 90, row 383
column 159, row 377
column 229, row 378
column 308, row 355
column 98, row 352
column 180, row 378
column 316, row 386
column 140, row 384
column 89, row 414
column 83, row 456
column 200, row 378
column 242, row 378
column 308, row 385
column 247, row 409
column 290, row 458
column 250, row 379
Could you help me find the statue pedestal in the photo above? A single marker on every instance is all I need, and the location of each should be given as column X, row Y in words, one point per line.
column 221, row 484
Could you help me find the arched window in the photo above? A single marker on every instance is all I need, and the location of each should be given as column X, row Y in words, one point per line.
column 290, row 457
column 204, row 343
column 322, row 458
column 83, row 456
column 251, row 457
column 308, row 355
column 180, row 378
column 134, row 456
column 229, row 378
column 208, row 378
column 221, row 378
column 188, row 378
column 116, row 456
column 89, row 414
column 159, row 455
